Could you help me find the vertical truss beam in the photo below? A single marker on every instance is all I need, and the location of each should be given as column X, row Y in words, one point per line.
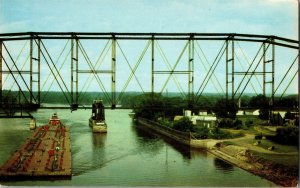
column 30, row 69
column 1, row 87
column 229, row 69
column 152, row 65
column 39, row 72
column 113, row 75
column 264, row 69
column 273, row 72
column 72, row 69
column 74, row 72
column 268, row 75
column 34, row 71
column 191, row 71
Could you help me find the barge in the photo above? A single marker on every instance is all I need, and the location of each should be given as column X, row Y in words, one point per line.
column 97, row 120
column 46, row 154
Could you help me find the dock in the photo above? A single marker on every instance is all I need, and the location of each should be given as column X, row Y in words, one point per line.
column 46, row 154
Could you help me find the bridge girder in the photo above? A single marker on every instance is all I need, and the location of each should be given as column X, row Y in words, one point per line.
column 234, row 89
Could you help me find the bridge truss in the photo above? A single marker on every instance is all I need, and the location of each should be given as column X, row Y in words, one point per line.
column 108, row 63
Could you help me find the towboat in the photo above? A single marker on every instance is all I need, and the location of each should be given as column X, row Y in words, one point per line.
column 97, row 120
column 54, row 120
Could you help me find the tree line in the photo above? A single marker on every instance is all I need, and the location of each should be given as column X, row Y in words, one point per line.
column 132, row 99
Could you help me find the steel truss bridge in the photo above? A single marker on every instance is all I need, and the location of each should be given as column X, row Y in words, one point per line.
column 195, row 62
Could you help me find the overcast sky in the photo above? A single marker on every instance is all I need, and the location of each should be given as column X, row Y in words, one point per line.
column 267, row 17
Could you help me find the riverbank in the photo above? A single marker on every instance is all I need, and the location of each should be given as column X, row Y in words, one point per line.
column 240, row 156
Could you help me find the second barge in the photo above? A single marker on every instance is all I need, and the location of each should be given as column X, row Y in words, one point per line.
column 47, row 153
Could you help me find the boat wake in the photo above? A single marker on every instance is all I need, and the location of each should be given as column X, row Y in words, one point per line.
column 84, row 166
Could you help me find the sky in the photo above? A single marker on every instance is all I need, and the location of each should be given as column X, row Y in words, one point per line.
column 270, row 17
column 266, row 17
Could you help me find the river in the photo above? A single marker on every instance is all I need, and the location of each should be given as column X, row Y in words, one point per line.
column 126, row 155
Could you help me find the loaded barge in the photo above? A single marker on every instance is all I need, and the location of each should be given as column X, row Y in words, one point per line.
column 46, row 154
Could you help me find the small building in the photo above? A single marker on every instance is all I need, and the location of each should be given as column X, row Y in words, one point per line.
column 208, row 121
column 188, row 113
column 202, row 113
column 256, row 113
column 286, row 117
column 240, row 113
column 199, row 120
column 248, row 112
column 176, row 118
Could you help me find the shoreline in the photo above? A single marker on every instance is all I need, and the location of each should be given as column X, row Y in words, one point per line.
column 239, row 156
column 263, row 169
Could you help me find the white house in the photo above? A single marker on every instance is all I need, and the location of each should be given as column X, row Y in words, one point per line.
column 199, row 120
column 208, row 121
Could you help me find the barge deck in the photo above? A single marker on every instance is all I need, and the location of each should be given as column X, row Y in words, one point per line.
column 46, row 154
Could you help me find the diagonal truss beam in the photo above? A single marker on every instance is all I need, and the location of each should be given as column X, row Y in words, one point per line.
column 174, row 67
column 132, row 70
column 211, row 71
column 251, row 73
column 94, row 72
column 57, row 72
column 19, row 73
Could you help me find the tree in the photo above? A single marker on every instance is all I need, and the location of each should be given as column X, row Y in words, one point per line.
column 149, row 106
column 259, row 101
column 288, row 115
column 286, row 102
column 287, row 135
column 9, row 105
column 225, row 109
column 154, row 106
column 184, row 124
column 262, row 102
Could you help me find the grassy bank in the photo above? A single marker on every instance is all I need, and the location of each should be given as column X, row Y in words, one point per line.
column 276, row 162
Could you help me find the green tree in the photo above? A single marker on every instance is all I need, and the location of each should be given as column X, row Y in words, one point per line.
column 154, row 106
column 149, row 106
column 9, row 104
column 288, row 115
column 286, row 102
column 184, row 124
column 287, row 135
column 225, row 109
column 261, row 102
